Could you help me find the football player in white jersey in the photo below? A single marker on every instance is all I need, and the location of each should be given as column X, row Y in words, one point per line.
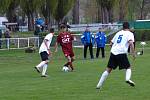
column 45, row 52
column 118, row 57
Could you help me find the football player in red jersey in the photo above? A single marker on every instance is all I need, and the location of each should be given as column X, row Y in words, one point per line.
column 65, row 40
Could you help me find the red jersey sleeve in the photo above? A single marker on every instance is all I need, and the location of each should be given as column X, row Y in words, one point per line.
column 72, row 37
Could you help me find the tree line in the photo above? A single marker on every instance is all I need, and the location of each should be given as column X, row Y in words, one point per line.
column 56, row 9
column 107, row 10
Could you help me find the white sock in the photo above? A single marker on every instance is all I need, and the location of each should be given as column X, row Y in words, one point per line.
column 128, row 74
column 102, row 79
column 44, row 69
column 40, row 64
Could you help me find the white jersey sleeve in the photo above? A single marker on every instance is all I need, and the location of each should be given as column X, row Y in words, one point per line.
column 131, row 37
column 48, row 36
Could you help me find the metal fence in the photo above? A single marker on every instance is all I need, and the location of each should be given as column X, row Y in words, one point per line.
column 19, row 43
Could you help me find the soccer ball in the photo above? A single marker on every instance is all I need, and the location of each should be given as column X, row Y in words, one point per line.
column 65, row 69
column 143, row 43
column 138, row 53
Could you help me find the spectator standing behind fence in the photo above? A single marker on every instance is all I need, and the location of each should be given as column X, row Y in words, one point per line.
column 87, row 40
column 0, row 38
column 40, row 21
column 36, row 34
column 7, row 36
column 100, row 42
column 37, row 30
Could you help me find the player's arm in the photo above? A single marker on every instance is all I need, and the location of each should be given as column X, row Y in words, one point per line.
column 113, row 40
column 56, row 44
column 132, row 48
column 56, row 47
column 45, row 42
column 111, row 43
column 74, row 38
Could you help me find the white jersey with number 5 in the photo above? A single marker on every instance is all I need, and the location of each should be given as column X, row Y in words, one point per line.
column 121, row 42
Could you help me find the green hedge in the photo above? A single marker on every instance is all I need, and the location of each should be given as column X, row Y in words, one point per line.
column 142, row 35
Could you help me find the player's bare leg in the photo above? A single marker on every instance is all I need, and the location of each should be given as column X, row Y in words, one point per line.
column 103, row 78
column 66, row 64
column 71, row 66
column 72, row 59
column 70, row 62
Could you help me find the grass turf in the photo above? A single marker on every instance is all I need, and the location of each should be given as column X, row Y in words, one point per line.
column 19, row 80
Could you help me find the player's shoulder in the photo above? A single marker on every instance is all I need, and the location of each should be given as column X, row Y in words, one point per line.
column 47, row 35
column 67, row 32
column 129, row 33
column 60, row 33
column 124, row 32
column 50, row 34
column 121, row 31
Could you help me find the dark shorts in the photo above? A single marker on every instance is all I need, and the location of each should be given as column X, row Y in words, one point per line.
column 44, row 56
column 68, row 53
column 120, row 60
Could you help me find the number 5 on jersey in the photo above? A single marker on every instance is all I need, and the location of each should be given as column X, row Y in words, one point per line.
column 119, row 38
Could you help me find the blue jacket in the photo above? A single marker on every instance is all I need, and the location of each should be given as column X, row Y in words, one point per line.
column 87, row 38
column 39, row 21
column 101, row 39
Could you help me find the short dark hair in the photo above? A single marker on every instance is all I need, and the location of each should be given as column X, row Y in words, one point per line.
column 126, row 25
column 62, row 26
column 51, row 30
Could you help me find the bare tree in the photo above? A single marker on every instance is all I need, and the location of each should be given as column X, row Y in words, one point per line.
column 75, row 13
column 63, row 7
column 123, row 8
column 106, row 9
column 142, row 8
column 47, row 9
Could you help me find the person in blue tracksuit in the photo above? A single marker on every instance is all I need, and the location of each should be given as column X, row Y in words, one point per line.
column 100, row 42
column 40, row 22
column 87, row 40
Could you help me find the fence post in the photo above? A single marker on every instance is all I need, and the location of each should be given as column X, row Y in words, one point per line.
column 38, row 41
column 18, row 42
column 8, row 43
column 28, row 42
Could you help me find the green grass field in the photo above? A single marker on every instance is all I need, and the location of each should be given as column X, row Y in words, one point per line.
column 19, row 81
